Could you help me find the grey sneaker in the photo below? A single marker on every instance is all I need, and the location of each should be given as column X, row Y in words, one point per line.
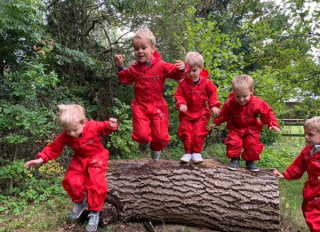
column 234, row 164
column 155, row 155
column 93, row 222
column 251, row 165
column 78, row 209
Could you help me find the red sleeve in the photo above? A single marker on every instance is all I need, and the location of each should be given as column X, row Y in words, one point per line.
column 212, row 94
column 171, row 71
column 179, row 96
column 224, row 114
column 297, row 168
column 54, row 149
column 126, row 77
column 104, row 127
column 267, row 116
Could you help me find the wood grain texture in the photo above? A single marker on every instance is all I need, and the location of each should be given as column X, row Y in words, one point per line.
column 206, row 195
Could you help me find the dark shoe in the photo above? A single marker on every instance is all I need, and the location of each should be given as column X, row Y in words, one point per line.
column 251, row 165
column 93, row 222
column 78, row 209
column 142, row 147
column 234, row 164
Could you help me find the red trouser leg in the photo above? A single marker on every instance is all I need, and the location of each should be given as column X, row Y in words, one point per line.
column 233, row 144
column 97, row 183
column 252, row 146
column 159, row 127
column 311, row 211
column 141, row 124
column 75, row 179
column 200, row 132
column 87, row 175
column 185, row 133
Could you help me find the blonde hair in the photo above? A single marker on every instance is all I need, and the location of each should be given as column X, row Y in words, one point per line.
column 242, row 81
column 70, row 114
column 145, row 33
column 313, row 123
column 194, row 59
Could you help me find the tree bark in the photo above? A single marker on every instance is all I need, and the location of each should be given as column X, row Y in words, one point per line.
column 204, row 195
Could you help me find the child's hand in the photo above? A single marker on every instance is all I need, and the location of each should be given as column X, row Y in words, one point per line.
column 276, row 129
column 215, row 111
column 180, row 65
column 183, row 108
column 113, row 122
column 212, row 126
column 33, row 163
column 119, row 61
column 276, row 173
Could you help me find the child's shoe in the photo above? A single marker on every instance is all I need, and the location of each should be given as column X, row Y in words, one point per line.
column 93, row 222
column 251, row 165
column 234, row 164
column 142, row 147
column 78, row 209
column 155, row 155
column 197, row 158
column 186, row 158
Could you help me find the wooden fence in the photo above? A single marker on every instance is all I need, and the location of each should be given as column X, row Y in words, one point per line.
column 292, row 122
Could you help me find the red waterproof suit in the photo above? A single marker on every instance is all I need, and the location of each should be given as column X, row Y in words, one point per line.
column 244, row 127
column 193, row 123
column 311, row 191
column 88, row 166
column 149, row 109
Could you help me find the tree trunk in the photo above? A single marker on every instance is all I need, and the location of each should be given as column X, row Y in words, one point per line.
column 204, row 195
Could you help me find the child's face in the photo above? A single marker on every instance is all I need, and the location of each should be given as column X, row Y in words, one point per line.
column 74, row 129
column 243, row 95
column 142, row 50
column 311, row 135
column 194, row 73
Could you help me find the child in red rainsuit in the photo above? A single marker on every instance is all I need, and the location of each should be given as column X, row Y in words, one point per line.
column 191, row 97
column 85, row 176
column 308, row 160
column 149, row 109
column 245, row 115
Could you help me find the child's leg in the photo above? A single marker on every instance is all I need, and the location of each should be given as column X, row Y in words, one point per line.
column 252, row 146
column 141, row 124
column 159, row 127
column 311, row 211
column 233, row 144
column 75, row 179
column 97, row 183
column 199, row 134
column 185, row 133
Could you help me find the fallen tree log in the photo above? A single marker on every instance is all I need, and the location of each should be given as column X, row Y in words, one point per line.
column 204, row 195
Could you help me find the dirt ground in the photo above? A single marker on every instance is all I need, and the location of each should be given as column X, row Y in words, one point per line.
column 149, row 227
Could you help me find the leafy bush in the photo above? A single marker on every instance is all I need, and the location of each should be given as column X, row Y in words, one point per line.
column 28, row 186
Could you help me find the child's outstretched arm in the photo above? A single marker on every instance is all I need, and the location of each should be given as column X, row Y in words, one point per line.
column 278, row 174
column 113, row 122
column 215, row 111
column 180, row 65
column 275, row 128
column 33, row 163
column 119, row 60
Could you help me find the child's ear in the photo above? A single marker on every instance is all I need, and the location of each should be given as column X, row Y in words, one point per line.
column 153, row 49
